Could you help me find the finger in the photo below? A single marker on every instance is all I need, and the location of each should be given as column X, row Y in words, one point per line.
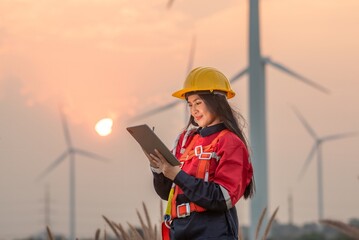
column 153, row 156
column 147, row 155
column 152, row 160
column 155, row 159
column 161, row 157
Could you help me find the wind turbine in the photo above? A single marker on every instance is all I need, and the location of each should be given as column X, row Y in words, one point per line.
column 257, row 110
column 317, row 149
column 290, row 207
column 47, row 206
column 70, row 152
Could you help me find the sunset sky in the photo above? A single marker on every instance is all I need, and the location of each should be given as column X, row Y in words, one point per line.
column 119, row 58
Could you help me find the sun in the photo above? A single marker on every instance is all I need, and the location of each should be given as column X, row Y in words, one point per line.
column 104, row 126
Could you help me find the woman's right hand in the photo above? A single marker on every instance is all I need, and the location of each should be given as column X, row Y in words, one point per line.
column 164, row 166
column 151, row 160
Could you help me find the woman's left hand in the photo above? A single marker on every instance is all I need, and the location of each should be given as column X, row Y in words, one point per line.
column 167, row 169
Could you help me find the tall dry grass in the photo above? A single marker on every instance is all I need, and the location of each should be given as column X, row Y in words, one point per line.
column 259, row 225
column 149, row 231
column 49, row 233
column 344, row 228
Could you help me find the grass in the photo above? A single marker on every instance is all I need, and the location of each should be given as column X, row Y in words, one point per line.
column 259, row 225
column 149, row 231
column 344, row 228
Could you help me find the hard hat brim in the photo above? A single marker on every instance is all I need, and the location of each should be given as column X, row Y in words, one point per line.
column 181, row 94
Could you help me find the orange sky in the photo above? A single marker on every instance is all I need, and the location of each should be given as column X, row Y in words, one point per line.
column 117, row 59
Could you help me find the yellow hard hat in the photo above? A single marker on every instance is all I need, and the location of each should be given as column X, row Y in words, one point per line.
column 205, row 79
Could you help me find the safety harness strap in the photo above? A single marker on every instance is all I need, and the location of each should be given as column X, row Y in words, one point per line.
column 204, row 155
column 189, row 148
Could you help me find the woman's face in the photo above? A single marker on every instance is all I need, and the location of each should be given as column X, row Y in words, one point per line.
column 200, row 112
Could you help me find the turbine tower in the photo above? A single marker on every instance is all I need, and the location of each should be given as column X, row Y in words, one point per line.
column 317, row 149
column 70, row 152
column 47, row 206
column 290, row 208
column 257, row 110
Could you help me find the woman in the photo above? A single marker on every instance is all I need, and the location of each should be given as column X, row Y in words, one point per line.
column 215, row 171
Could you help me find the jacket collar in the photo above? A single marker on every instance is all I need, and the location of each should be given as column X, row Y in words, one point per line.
column 206, row 131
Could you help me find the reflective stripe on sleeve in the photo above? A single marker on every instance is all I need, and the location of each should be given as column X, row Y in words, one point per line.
column 155, row 170
column 226, row 196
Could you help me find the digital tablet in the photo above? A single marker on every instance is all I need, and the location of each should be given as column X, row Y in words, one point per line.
column 149, row 141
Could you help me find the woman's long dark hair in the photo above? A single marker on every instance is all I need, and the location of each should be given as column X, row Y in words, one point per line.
column 217, row 104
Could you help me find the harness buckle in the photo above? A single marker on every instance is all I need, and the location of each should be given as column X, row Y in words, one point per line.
column 167, row 221
column 198, row 151
column 183, row 210
column 205, row 156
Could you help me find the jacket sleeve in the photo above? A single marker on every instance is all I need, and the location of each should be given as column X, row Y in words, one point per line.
column 234, row 171
column 162, row 185
column 232, row 175
column 204, row 194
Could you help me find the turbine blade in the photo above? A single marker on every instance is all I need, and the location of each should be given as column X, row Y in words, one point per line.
column 53, row 165
column 238, row 75
column 296, row 75
column 305, row 123
column 339, row 136
column 191, row 55
column 156, row 110
column 174, row 103
column 307, row 161
column 169, row 4
column 91, row 155
column 66, row 129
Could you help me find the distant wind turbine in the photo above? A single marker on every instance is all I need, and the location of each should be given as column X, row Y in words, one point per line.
column 47, row 206
column 70, row 152
column 290, row 208
column 317, row 149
